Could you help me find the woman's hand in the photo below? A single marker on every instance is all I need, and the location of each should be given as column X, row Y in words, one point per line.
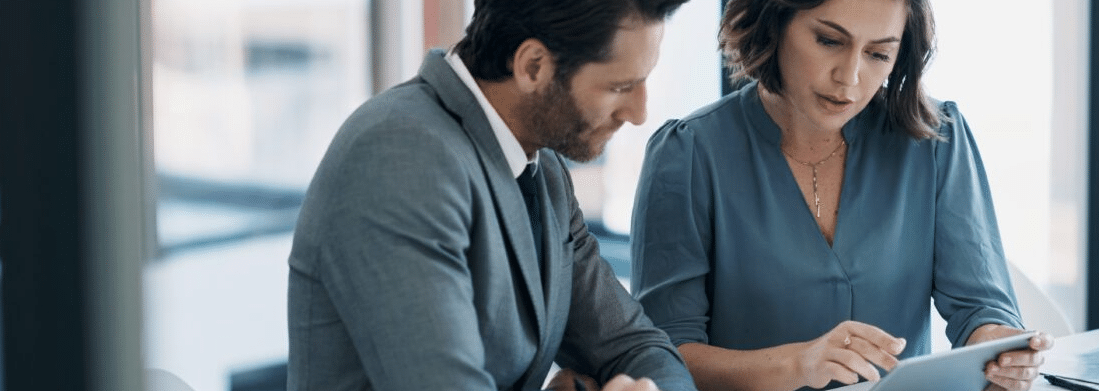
column 848, row 351
column 1017, row 369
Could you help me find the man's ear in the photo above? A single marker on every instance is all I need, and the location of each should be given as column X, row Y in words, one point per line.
column 532, row 66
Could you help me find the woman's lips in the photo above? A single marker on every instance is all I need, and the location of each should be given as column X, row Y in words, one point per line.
column 835, row 104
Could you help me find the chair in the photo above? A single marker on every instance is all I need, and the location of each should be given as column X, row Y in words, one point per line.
column 1038, row 310
column 161, row 380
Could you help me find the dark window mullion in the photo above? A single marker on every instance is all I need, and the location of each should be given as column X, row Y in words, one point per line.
column 40, row 235
column 1092, row 274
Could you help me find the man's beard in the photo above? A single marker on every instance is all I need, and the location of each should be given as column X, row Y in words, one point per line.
column 554, row 120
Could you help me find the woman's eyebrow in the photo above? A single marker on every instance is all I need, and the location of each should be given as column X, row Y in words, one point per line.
column 844, row 31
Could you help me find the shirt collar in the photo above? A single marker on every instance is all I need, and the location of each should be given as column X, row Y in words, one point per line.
column 513, row 152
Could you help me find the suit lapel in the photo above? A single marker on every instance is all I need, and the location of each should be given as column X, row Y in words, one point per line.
column 555, row 210
column 510, row 206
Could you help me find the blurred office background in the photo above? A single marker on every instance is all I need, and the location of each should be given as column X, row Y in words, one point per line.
column 246, row 97
column 241, row 97
column 247, row 94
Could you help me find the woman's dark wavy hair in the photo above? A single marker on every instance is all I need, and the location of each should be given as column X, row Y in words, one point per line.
column 577, row 32
column 750, row 35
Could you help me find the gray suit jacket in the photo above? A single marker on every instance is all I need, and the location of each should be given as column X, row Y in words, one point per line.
column 413, row 265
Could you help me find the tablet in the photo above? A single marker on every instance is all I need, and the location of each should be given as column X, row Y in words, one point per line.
column 961, row 369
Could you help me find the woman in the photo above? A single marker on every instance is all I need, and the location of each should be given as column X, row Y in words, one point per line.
column 793, row 233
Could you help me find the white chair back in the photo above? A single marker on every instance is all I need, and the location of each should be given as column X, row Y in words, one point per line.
column 1038, row 310
column 160, row 380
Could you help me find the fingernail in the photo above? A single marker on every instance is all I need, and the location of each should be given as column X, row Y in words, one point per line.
column 1005, row 361
column 899, row 346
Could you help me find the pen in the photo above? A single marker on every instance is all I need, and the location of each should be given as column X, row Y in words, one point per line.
column 1068, row 385
column 1063, row 377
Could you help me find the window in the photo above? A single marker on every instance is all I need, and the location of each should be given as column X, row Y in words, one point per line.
column 246, row 96
column 1020, row 91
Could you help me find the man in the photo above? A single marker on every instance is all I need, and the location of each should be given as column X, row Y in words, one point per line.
column 440, row 245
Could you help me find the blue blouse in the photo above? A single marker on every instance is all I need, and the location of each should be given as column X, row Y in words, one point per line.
column 726, row 251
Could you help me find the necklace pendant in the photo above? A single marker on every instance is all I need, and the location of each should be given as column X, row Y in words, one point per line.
column 813, row 166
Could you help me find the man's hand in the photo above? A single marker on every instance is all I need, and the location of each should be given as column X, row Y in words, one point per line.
column 1017, row 369
column 626, row 383
column 566, row 380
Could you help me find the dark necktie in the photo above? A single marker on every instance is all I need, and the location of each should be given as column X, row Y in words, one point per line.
column 528, row 184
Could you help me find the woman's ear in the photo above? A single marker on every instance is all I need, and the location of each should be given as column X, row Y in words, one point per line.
column 532, row 66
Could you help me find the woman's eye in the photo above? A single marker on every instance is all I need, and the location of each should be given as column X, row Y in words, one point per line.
column 880, row 56
column 827, row 41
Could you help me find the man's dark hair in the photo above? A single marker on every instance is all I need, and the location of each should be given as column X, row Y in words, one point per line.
column 752, row 29
column 576, row 32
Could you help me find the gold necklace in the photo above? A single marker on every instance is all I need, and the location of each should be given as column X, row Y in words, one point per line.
column 816, row 198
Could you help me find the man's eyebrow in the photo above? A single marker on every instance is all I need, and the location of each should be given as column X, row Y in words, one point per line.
column 846, row 33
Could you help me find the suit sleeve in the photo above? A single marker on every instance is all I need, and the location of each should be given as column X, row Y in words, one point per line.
column 392, row 216
column 607, row 332
column 971, row 285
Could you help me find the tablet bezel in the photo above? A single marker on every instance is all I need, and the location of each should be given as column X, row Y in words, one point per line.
column 960, row 369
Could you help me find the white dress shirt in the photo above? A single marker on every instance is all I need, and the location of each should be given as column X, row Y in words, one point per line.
column 517, row 159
